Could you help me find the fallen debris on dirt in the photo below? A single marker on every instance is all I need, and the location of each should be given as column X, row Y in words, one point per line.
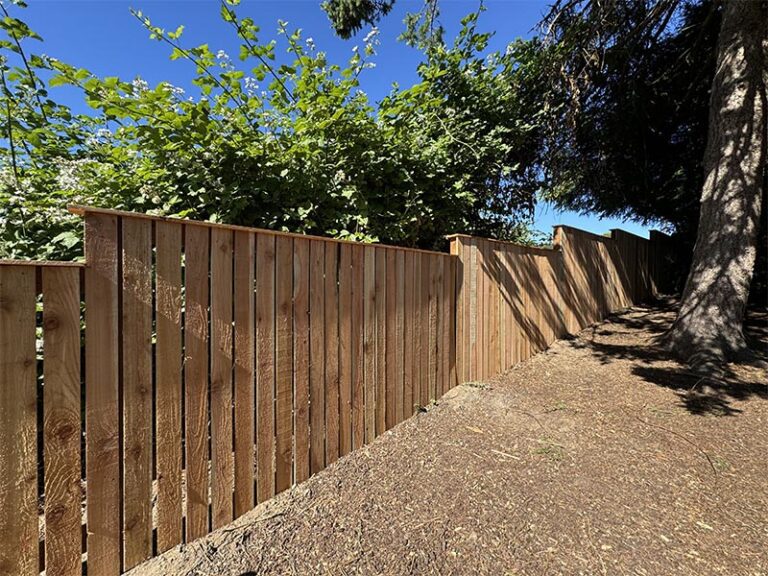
column 598, row 456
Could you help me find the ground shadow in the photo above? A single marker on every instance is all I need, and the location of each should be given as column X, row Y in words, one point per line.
column 708, row 395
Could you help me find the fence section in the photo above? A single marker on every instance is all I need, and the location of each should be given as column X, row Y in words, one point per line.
column 514, row 301
column 220, row 366
column 192, row 370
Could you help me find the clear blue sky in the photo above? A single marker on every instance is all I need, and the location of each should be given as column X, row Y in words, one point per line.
column 101, row 35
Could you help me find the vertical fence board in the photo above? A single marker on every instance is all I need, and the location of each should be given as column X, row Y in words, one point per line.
column 433, row 321
column 168, row 398
column 417, row 328
column 245, row 403
column 265, row 367
column 345, row 349
column 222, row 461
column 301, row 357
column 317, row 355
column 137, row 391
column 331, row 353
column 358, row 296
column 18, row 423
column 399, row 334
column 380, row 290
column 452, row 315
column 408, row 337
column 447, row 334
column 61, row 424
column 283, row 363
column 391, row 337
column 369, row 342
column 196, row 255
column 101, row 394
column 425, row 325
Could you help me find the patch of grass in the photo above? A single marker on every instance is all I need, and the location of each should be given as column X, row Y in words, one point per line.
column 720, row 463
column 550, row 450
column 478, row 385
column 558, row 406
column 660, row 411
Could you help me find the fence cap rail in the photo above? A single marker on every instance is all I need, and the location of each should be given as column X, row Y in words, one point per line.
column 548, row 251
column 83, row 210
column 42, row 263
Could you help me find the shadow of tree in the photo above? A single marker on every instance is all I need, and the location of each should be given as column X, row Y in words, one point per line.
column 701, row 395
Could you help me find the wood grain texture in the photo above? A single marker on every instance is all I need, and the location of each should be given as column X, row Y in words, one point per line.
column 433, row 327
column 390, row 412
column 102, row 460
column 426, row 267
column 399, row 336
column 380, row 290
column 358, row 297
column 222, row 457
column 345, row 349
column 301, row 358
column 18, row 423
column 244, row 374
column 196, row 260
column 408, row 318
column 418, row 364
column 168, row 399
column 369, row 342
column 61, row 423
column 265, row 367
column 137, row 390
column 331, row 353
column 284, row 363
column 316, row 355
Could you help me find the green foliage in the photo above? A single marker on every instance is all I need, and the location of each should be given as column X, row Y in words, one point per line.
column 349, row 16
column 278, row 138
column 628, row 136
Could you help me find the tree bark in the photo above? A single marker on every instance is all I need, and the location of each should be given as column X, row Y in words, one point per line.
column 708, row 328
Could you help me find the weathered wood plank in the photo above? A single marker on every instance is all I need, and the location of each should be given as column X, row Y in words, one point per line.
column 102, row 459
column 380, row 289
column 284, row 363
column 358, row 296
column 18, row 423
column 301, row 357
column 331, row 353
column 265, row 367
column 424, row 373
column 168, row 399
column 61, row 378
column 137, row 391
column 196, row 260
column 345, row 349
column 369, row 342
column 400, row 336
column 390, row 412
column 408, row 318
column 317, row 356
column 245, row 401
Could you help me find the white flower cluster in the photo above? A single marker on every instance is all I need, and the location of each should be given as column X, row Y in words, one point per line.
column 250, row 85
column 99, row 136
column 68, row 177
column 139, row 86
column 310, row 43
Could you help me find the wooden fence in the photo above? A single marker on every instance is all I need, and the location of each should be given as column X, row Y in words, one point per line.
column 190, row 370
column 513, row 301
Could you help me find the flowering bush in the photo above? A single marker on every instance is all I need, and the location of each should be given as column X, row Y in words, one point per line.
column 283, row 142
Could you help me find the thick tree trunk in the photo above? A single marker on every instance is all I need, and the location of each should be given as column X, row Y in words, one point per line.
column 708, row 329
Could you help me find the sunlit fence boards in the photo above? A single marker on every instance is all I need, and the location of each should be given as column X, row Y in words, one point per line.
column 189, row 371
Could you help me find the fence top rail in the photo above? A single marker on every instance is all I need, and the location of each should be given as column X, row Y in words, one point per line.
column 42, row 263
column 547, row 251
column 83, row 210
column 620, row 231
column 583, row 232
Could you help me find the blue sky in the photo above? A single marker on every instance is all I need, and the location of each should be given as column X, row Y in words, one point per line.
column 101, row 35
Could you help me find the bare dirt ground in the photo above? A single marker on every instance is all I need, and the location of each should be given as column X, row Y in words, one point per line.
column 596, row 457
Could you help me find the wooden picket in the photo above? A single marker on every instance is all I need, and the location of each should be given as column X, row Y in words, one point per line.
column 225, row 364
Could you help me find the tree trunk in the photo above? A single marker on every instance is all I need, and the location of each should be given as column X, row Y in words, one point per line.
column 708, row 329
